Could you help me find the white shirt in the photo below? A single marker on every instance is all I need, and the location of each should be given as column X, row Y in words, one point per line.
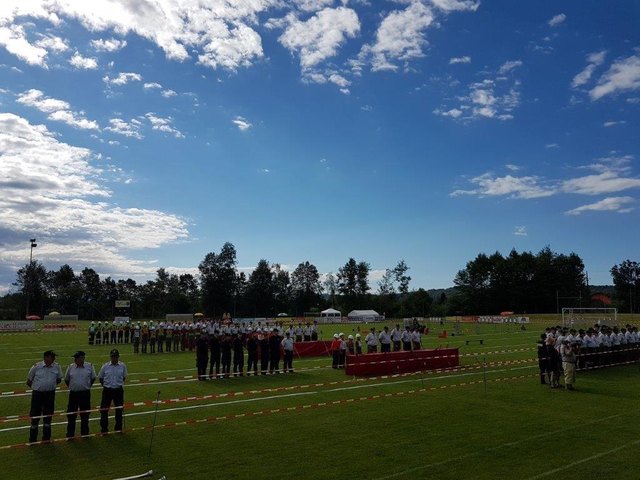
column 415, row 336
column 78, row 378
column 396, row 334
column 287, row 344
column 406, row 336
column 113, row 376
column 43, row 378
column 371, row 339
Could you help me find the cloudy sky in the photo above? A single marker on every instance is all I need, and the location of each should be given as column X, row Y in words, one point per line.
column 143, row 134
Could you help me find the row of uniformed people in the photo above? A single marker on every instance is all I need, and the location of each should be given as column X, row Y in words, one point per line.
column 400, row 339
column 220, row 350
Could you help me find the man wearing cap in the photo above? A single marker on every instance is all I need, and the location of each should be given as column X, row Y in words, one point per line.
column 112, row 376
column 43, row 378
column 79, row 377
column 287, row 347
column 372, row 341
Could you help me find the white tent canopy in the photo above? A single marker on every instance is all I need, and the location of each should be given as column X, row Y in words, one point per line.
column 365, row 316
column 330, row 312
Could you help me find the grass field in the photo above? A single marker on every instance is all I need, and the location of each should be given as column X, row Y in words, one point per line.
column 490, row 419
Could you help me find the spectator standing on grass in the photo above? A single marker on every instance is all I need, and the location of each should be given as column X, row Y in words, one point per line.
column 335, row 351
column 112, row 377
column 406, row 339
column 554, row 362
column 252, row 352
column 396, row 337
column 79, row 377
column 343, row 351
column 372, row 341
column 351, row 345
column 358, row 344
column 415, row 339
column 274, row 350
column 287, row 347
column 225, row 354
column 214, row 350
column 263, row 343
column 43, row 378
column 136, row 338
column 238, row 354
column 385, row 340
column 306, row 332
column 314, row 331
column 543, row 359
column 569, row 357
column 202, row 356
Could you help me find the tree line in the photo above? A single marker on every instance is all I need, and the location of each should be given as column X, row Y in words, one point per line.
column 520, row 282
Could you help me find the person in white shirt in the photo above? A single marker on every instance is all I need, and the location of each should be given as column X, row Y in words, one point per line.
column 112, row 377
column 415, row 339
column 372, row 341
column 396, row 336
column 287, row 346
column 79, row 377
column 43, row 378
column 385, row 340
column 406, row 339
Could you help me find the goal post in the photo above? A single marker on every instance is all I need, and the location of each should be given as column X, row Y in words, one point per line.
column 573, row 316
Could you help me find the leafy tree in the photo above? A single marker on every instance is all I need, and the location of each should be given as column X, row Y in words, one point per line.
column 305, row 282
column 260, row 289
column 626, row 280
column 31, row 281
column 218, row 280
column 65, row 290
column 330, row 287
column 348, row 279
column 91, row 294
column 400, row 275
column 281, row 288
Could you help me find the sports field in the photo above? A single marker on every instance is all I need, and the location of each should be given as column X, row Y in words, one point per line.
column 489, row 419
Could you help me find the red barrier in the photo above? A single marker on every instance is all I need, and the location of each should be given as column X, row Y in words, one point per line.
column 401, row 362
column 311, row 349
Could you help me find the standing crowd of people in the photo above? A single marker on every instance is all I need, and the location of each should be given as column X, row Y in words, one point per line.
column 562, row 351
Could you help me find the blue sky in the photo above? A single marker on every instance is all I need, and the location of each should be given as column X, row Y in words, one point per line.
column 139, row 135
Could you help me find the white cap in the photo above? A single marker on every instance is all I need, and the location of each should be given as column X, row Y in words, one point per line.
column 335, row 335
column 357, row 335
column 350, row 337
column 341, row 334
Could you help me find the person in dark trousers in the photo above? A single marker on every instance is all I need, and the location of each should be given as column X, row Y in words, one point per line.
column 335, row 351
column 543, row 358
column 274, row 351
column 202, row 355
column 263, row 342
column 287, row 348
column 252, row 353
column 214, row 350
column 43, row 378
column 238, row 354
column 79, row 377
column 112, row 377
column 225, row 355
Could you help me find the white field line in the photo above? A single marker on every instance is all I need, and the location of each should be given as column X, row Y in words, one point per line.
column 584, row 460
column 498, row 447
column 231, row 402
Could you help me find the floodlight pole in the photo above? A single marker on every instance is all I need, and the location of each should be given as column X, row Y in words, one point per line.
column 29, row 272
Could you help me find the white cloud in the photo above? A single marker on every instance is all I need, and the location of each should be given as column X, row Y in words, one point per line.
column 557, row 20
column 456, row 60
column 513, row 168
column 151, row 86
column 509, row 65
column 609, row 204
column 612, row 123
column 52, row 188
column 168, row 93
column 456, row 5
column 83, row 63
column 514, row 187
column 53, row 43
column 241, row 123
column 623, row 75
column 122, row 79
column 602, row 183
column 520, row 231
column 128, row 129
column 594, row 59
column 552, row 145
column 58, row 110
column 163, row 125
column 319, row 37
column 400, row 37
column 13, row 38
column 453, row 113
column 108, row 45
column 312, row 5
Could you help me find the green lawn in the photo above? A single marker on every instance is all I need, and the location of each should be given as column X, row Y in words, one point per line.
column 480, row 422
